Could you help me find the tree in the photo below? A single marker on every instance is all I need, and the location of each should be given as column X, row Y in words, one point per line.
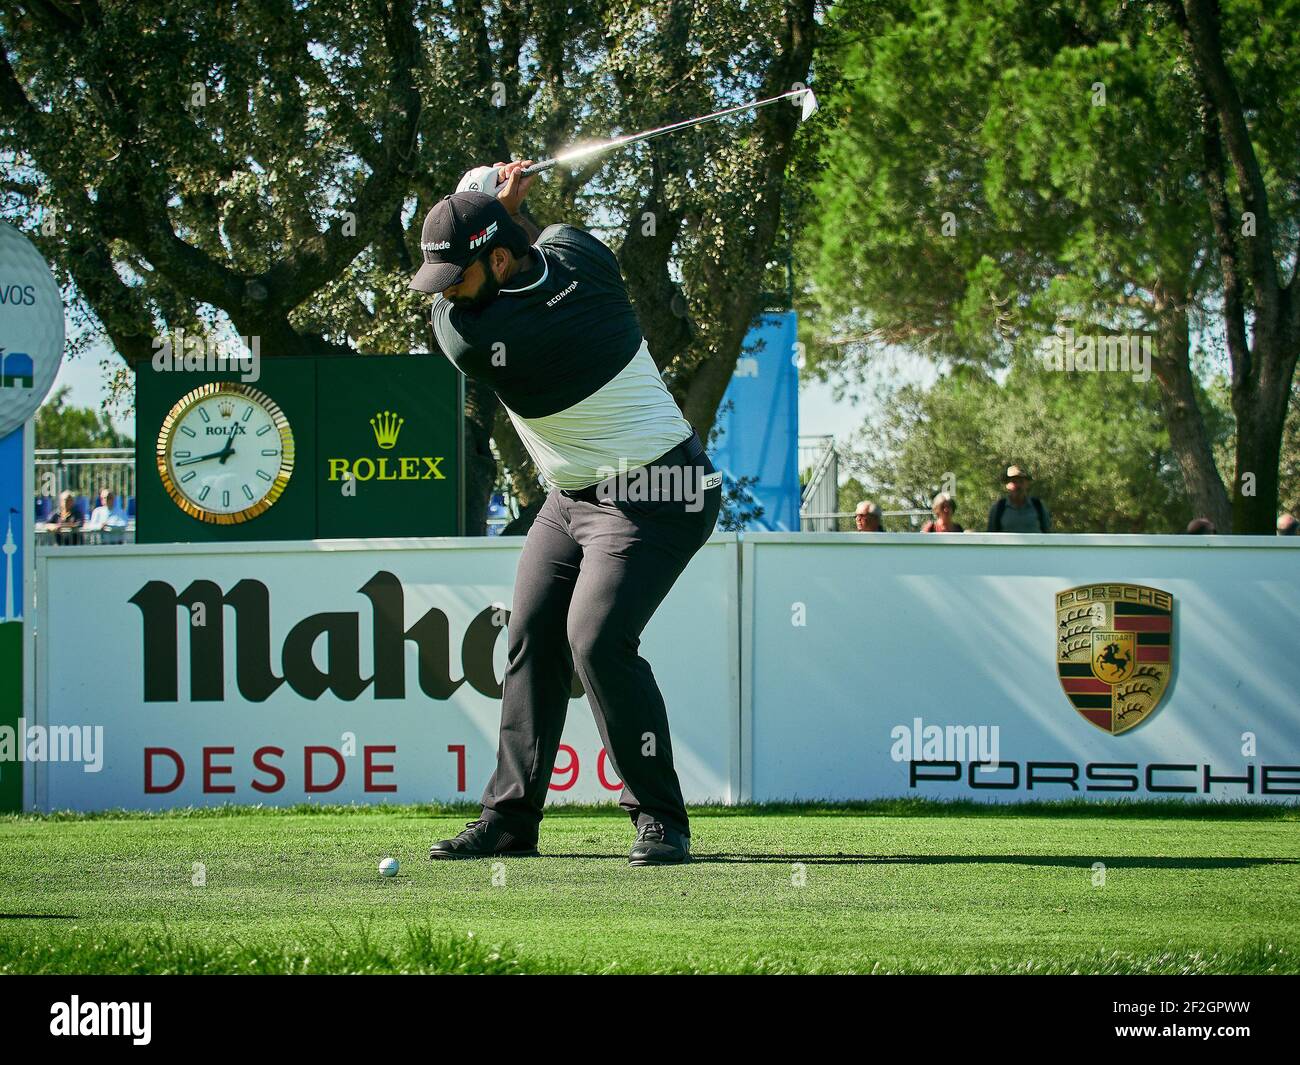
column 1035, row 167
column 267, row 164
column 61, row 425
column 1289, row 461
column 1256, row 227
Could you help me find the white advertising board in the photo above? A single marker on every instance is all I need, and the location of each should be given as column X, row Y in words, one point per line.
column 335, row 671
column 805, row 666
column 893, row 664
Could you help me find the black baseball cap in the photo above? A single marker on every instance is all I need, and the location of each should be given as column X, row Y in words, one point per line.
column 459, row 228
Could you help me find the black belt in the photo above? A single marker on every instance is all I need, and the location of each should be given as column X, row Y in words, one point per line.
column 692, row 450
column 688, row 452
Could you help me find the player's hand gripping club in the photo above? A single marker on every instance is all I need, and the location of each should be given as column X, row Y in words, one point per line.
column 505, row 181
column 513, row 184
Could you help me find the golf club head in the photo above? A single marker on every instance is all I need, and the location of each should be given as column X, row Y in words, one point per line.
column 809, row 105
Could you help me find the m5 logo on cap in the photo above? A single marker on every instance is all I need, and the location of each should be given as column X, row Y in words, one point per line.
column 481, row 238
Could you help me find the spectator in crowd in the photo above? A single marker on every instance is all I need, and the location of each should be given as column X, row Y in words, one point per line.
column 943, row 508
column 65, row 523
column 867, row 517
column 1286, row 525
column 108, row 515
column 1200, row 527
column 1018, row 511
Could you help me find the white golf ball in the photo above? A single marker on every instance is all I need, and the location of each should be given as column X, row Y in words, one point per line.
column 388, row 867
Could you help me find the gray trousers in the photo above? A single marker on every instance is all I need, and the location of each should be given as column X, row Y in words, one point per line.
column 595, row 566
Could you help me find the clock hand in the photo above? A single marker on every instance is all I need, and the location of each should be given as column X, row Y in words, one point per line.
column 229, row 449
column 200, row 458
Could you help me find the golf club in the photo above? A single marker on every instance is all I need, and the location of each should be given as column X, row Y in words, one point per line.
column 809, row 108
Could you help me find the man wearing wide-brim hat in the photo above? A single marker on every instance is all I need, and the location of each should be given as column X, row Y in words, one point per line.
column 1018, row 511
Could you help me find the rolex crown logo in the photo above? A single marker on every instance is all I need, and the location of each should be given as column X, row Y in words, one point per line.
column 386, row 425
column 226, row 407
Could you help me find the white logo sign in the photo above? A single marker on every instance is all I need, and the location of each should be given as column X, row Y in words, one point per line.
column 31, row 329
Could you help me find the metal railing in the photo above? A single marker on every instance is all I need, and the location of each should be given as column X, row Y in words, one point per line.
column 83, row 471
column 819, row 507
column 811, row 448
column 820, row 497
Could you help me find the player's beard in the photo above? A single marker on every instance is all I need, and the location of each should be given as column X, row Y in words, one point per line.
column 486, row 294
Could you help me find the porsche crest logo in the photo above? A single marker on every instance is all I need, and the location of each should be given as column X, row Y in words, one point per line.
column 1114, row 651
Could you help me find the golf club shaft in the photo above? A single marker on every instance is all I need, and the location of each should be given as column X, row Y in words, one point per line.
column 634, row 138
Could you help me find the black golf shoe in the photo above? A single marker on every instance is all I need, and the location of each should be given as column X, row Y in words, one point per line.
column 484, row 839
column 657, row 844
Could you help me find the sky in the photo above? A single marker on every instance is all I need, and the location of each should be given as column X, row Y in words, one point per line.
column 820, row 414
column 86, row 382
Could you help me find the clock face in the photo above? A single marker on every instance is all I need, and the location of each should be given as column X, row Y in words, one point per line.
column 225, row 452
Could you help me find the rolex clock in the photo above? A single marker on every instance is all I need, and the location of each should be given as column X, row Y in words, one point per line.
column 225, row 452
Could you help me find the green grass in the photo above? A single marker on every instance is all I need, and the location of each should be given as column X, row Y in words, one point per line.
column 901, row 886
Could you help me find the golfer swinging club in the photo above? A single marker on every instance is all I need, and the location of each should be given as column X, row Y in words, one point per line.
column 545, row 321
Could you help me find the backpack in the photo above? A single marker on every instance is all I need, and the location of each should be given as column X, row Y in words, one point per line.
column 1000, row 508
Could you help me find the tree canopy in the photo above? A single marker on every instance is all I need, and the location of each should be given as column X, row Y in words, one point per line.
column 59, row 424
column 1097, row 448
column 1003, row 171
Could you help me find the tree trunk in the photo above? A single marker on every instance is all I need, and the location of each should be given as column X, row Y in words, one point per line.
column 1260, row 406
column 480, row 466
column 1187, row 435
column 1254, row 297
column 523, row 475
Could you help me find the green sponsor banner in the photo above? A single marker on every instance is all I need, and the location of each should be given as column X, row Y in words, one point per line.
column 388, row 454
column 310, row 448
